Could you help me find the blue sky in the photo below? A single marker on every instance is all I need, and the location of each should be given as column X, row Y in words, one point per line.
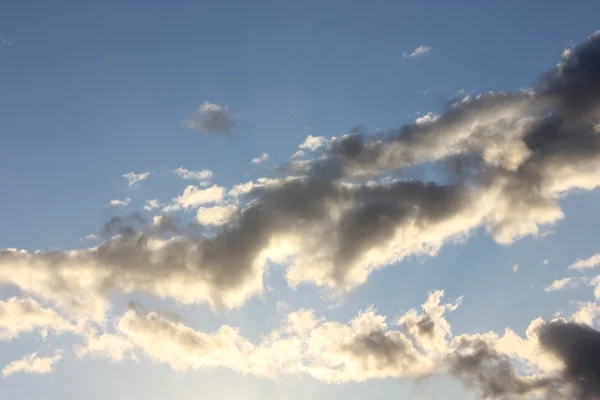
column 92, row 91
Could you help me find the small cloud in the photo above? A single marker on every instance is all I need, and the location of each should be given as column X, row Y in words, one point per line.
column 515, row 267
column 263, row 157
column 546, row 261
column 425, row 92
column 563, row 283
column 312, row 143
column 211, row 118
column 6, row 42
column 91, row 236
column 193, row 175
column 586, row 263
column 429, row 117
column 32, row 364
column 133, row 178
column 119, row 203
column 419, row 51
column 298, row 154
column 151, row 204
column 193, row 196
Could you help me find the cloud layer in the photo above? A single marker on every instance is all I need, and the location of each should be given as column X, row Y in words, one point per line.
column 503, row 161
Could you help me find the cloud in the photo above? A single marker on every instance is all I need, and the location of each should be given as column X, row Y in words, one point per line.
column 119, row 203
column 419, row 51
column 133, row 179
column 215, row 215
column 312, row 143
column 563, row 283
column 19, row 316
column 211, row 118
column 258, row 160
column 194, row 175
column 332, row 220
column 151, row 205
column 545, row 362
column 6, row 42
column 32, row 364
column 106, row 346
column 515, row 267
column 586, row 263
column 194, row 196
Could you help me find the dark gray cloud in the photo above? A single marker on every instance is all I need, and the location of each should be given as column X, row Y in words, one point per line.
column 492, row 374
column 578, row 347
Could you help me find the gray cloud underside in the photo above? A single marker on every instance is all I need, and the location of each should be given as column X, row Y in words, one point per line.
column 505, row 158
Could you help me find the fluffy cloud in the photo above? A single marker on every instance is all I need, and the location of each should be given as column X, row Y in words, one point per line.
column 27, row 315
column 215, row 215
column 545, row 362
column 193, row 196
column 312, row 143
column 211, row 118
column 133, row 179
column 419, row 51
column 105, row 346
column 32, row 364
column 506, row 159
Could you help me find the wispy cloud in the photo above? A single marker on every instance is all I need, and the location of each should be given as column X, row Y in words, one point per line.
column 262, row 158
column 151, row 204
column 586, row 263
column 119, row 203
column 32, row 364
column 133, row 178
column 193, row 175
column 560, row 284
column 6, row 42
column 419, row 51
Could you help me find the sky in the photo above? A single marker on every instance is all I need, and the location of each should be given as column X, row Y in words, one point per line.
column 290, row 200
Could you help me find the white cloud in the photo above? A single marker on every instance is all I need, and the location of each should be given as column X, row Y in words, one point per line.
column 6, row 42
column 586, row 263
column 546, row 261
column 216, row 215
column 262, row 158
column 193, row 175
column 133, row 179
column 211, row 118
column 32, row 364
column 515, row 267
column 106, row 346
column 560, row 284
column 587, row 313
column 194, row 196
column 151, row 204
column 312, row 143
column 19, row 316
column 299, row 154
column 429, row 117
column 419, row 51
column 119, row 203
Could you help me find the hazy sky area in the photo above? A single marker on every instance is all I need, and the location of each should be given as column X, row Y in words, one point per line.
column 299, row 200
